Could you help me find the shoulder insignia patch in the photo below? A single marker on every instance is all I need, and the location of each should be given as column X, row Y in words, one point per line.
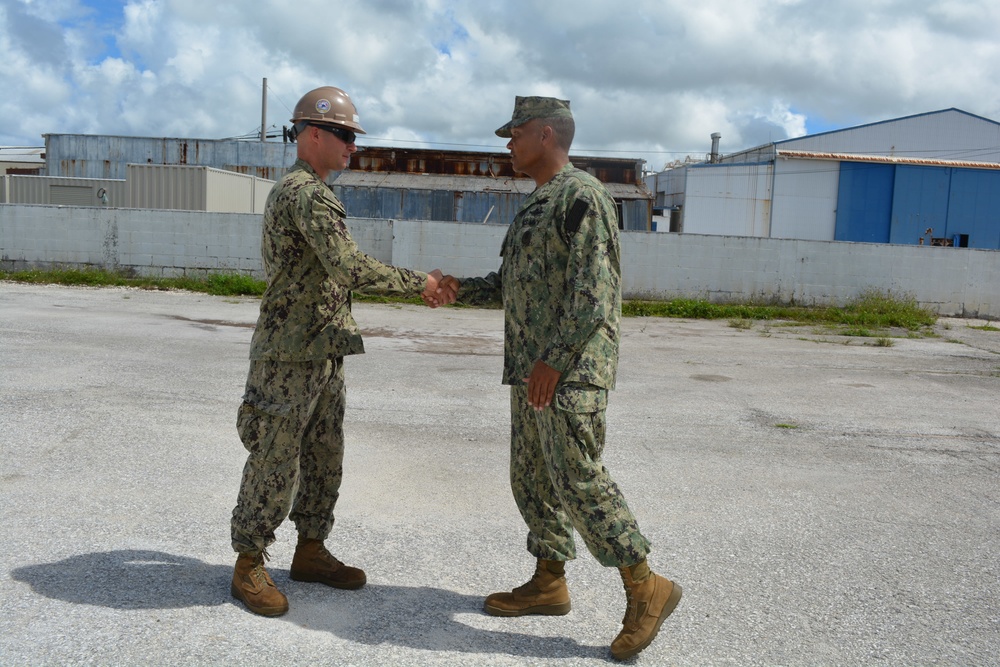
column 575, row 216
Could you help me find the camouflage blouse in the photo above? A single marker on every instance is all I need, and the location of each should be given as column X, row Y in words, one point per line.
column 311, row 265
column 560, row 282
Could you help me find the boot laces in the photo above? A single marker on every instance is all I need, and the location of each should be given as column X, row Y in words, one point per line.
column 325, row 553
column 259, row 574
column 533, row 586
column 631, row 608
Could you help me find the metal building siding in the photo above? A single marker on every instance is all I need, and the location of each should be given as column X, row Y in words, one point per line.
column 96, row 156
column 668, row 187
column 167, row 187
column 477, row 207
column 765, row 153
column 22, row 189
column 883, row 203
column 864, row 202
column 729, row 200
column 192, row 188
column 70, row 195
column 443, row 206
column 636, row 215
column 974, row 207
column 416, row 204
column 919, row 203
column 947, row 135
column 228, row 192
column 261, row 189
column 804, row 199
column 357, row 201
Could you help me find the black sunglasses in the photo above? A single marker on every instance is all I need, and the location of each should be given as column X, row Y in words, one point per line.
column 347, row 136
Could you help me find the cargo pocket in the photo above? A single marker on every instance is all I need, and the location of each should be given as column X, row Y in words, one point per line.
column 259, row 424
column 582, row 410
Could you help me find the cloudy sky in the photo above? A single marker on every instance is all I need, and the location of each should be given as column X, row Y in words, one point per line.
column 650, row 79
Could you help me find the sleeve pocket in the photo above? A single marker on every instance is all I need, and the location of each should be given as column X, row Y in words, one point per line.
column 580, row 399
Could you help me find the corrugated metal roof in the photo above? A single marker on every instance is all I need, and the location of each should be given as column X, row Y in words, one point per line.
column 947, row 114
column 948, row 134
column 22, row 154
column 888, row 159
column 390, row 179
column 523, row 186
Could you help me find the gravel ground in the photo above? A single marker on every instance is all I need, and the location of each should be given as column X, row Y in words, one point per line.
column 822, row 501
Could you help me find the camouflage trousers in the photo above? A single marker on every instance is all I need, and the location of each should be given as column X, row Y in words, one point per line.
column 560, row 483
column 291, row 423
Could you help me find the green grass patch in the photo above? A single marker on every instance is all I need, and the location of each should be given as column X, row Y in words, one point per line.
column 697, row 309
column 860, row 332
column 218, row 284
column 874, row 309
column 867, row 315
column 986, row 327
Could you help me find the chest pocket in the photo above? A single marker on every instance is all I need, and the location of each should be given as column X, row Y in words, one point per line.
column 527, row 245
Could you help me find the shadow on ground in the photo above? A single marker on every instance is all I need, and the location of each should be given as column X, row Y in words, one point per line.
column 424, row 617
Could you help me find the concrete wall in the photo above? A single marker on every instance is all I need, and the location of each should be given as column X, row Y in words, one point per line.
column 150, row 242
column 952, row 281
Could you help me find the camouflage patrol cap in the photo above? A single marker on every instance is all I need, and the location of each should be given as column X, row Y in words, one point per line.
column 529, row 108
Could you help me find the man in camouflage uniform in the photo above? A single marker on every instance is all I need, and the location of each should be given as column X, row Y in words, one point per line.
column 292, row 413
column 560, row 283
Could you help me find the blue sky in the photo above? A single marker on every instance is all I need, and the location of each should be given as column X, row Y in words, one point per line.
column 108, row 18
column 651, row 79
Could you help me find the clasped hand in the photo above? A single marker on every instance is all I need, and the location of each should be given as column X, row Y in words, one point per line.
column 441, row 290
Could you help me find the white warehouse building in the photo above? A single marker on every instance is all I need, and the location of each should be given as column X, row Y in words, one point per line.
column 931, row 178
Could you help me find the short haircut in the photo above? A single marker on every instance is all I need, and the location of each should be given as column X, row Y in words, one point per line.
column 564, row 129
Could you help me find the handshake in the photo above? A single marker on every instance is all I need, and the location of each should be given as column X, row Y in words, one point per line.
column 441, row 289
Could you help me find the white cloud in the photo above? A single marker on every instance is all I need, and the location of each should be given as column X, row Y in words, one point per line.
column 656, row 77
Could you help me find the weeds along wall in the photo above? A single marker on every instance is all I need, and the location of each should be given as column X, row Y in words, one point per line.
column 950, row 281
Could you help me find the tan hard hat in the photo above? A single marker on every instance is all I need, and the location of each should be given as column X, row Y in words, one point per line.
column 328, row 106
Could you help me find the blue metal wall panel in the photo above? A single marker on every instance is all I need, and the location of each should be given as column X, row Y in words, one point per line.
column 359, row 202
column 475, row 206
column 974, row 207
column 388, row 203
column 864, row 202
column 920, row 203
column 417, row 205
column 443, row 206
column 447, row 206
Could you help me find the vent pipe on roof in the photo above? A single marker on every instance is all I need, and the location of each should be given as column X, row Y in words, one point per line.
column 713, row 157
column 263, row 112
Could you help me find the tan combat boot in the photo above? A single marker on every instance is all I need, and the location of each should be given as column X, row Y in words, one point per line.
column 312, row 562
column 650, row 598
column 545, row 594
column 253, row 585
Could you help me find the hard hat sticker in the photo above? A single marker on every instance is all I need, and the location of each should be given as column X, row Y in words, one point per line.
column 356, row 119
column 323, row 105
